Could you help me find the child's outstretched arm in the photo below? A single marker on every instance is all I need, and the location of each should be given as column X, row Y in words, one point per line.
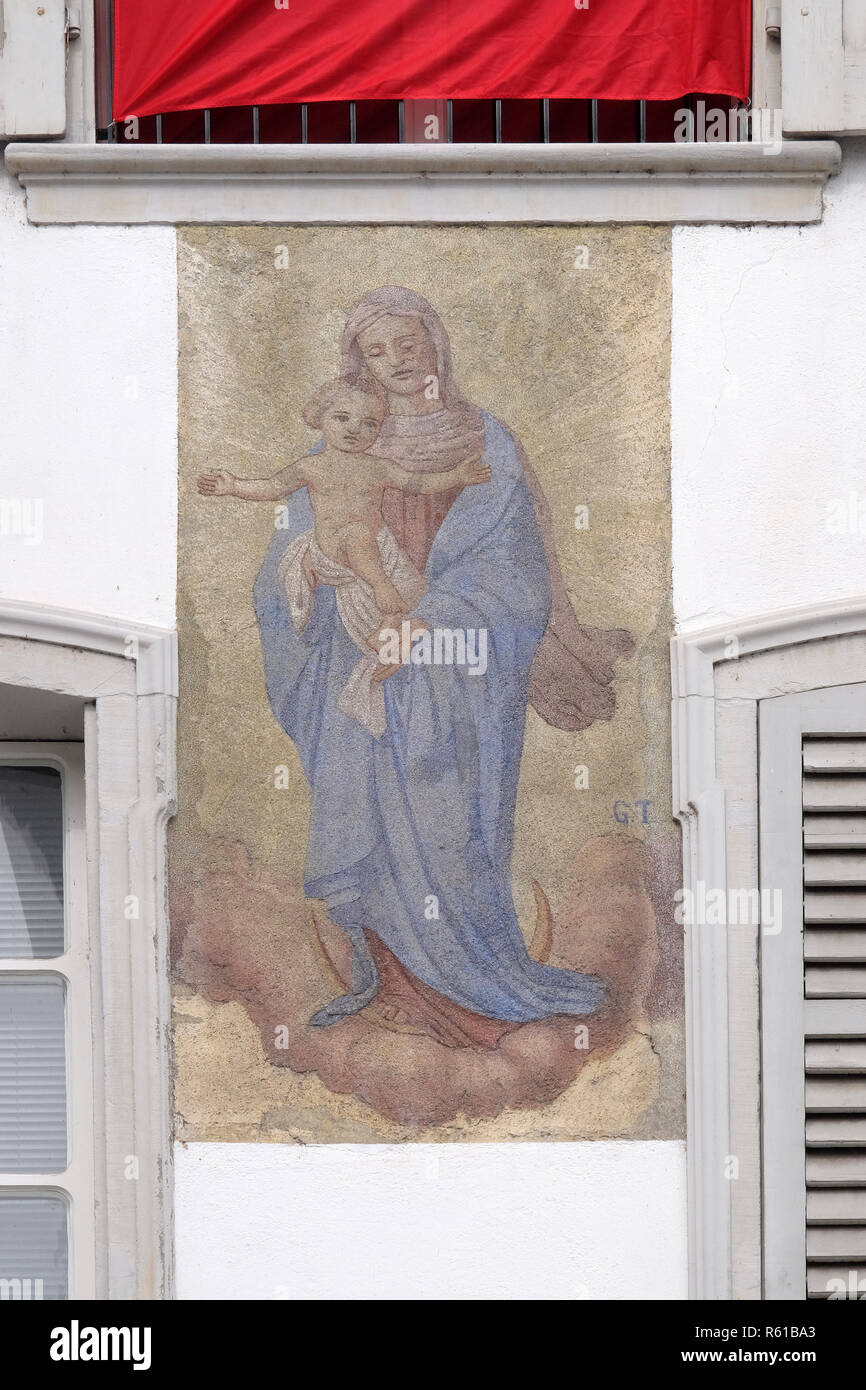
column 465, row 473
column 274, row 489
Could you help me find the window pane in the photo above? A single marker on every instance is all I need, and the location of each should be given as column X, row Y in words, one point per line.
column 32, row 1075
column 31, row 862
column 34, row 1247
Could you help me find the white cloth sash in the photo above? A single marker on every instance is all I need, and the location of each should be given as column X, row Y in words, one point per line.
column 361, row 697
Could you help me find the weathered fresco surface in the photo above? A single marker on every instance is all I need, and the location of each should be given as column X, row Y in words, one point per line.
column 414, row 897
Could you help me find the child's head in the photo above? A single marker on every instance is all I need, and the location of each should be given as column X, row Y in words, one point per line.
column 349, row 412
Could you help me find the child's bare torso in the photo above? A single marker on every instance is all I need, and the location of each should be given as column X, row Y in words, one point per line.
column 345, row 492
column 345, row 488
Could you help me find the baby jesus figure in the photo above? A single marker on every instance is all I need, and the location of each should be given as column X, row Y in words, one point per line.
column 349, row 546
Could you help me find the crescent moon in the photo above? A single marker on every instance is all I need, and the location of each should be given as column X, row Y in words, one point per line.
column 330, row 966
column 542, row 937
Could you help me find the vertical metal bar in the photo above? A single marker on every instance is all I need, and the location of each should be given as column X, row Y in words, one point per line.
column 304, row 124
column 159, row 128
column 545, row 120
column 255, row 125
column 353, row 124
column 206, row 126
column 641, row 122
column 103, row 63
column 109, row 17
column 497, row 121
column 400, row 123
column 593, row 121
column 109, row 8
column 109, row 11
column 449, row 119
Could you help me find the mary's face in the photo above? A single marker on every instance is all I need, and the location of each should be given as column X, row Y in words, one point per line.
column 399, row 353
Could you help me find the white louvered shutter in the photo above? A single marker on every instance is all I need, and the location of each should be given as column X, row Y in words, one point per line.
column 812, row 815
column 834, row 955
column 46, row 1044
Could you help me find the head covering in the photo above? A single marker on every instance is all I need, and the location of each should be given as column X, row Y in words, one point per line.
column 428, row 443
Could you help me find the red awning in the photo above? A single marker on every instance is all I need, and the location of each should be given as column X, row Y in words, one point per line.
column 172, row 56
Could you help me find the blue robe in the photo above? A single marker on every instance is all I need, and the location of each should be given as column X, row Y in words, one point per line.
column 426, row 813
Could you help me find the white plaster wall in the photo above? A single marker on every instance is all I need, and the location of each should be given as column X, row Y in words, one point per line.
column 88, row 415
column 431, row 1221
column 769, row 409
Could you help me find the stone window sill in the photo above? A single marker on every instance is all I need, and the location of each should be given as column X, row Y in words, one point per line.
column 745, row 183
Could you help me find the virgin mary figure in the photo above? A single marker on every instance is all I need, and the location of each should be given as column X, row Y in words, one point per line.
column 411, row 833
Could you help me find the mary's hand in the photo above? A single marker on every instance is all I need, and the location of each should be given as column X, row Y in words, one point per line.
column 477, row 473
column 378, row 641
column 383, row 671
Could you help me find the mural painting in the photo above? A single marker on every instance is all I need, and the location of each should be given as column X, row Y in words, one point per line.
column 424, row 865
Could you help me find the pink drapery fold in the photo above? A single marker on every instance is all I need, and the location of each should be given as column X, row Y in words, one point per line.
column 215, row 53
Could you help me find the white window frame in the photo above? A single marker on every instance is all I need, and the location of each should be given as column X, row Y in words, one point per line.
column 125, row 676
column 719, row 677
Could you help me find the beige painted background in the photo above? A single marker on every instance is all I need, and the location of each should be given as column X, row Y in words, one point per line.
column 575, row 360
